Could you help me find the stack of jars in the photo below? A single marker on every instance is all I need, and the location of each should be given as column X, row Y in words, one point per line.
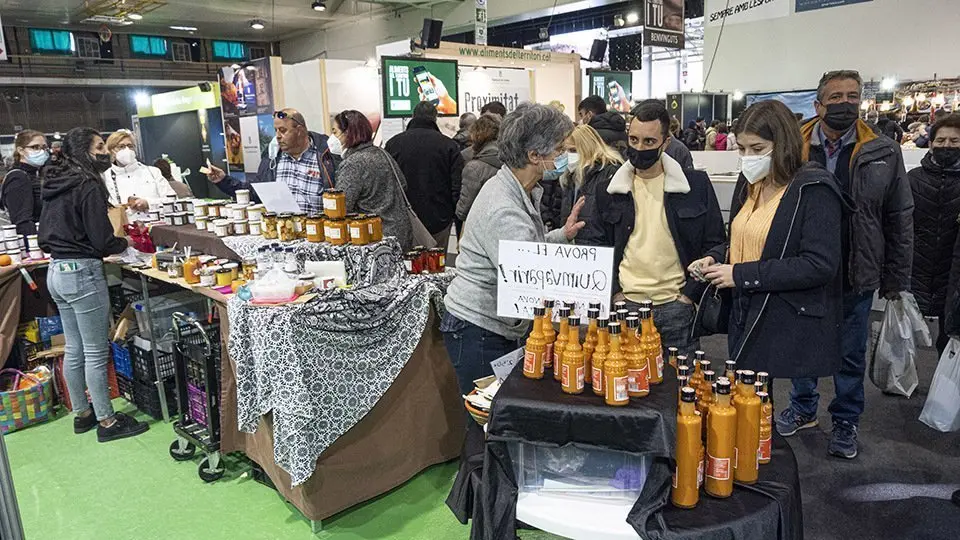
column 425, row 261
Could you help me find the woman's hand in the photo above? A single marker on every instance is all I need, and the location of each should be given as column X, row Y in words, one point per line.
column 720, row 276
column 573, row 226
column 697, row 267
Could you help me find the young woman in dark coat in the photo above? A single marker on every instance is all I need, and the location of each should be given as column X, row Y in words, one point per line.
column 936, row 198
column 784, row 257
column 20, row 186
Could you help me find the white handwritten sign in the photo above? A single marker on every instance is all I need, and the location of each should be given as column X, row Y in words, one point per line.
column 504, row 365
column 531, row 272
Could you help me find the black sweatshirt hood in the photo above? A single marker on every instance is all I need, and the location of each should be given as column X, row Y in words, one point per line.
column 60, row 180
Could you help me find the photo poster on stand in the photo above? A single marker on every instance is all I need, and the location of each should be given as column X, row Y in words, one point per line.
column 408, row 81
column 615, row 87
column 482, row 85
column 246, row 96
column 531, row 272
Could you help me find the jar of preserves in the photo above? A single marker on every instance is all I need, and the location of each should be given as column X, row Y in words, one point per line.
column 300, row 224
column 201, row 223
column 239, row 211
column 191, row 270
column 208, row 277
column 200, row 208
column 335, row 203
column 411, row 262
column 359, row 231
column 286, row 229
column 269, row 226
column 240, row 227
column 255, row 212
column 222, row 227
column 234, row 269
column 212, row 224
column 375, row 225
column 247, row 269
column 213, row 210
column 253, row 228
column 314, row 229
column 337, row 233
column 437, row 260
column 224, row 278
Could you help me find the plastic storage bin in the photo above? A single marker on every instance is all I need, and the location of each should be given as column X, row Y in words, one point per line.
column 121, row 360
column 578, row 472
column 162, row 310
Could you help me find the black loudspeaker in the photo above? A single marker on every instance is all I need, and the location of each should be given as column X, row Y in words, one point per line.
column 598, row 50
column 430, row 36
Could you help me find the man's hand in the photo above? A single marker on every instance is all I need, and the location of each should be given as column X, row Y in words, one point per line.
column 138, row 204
column 573, row 226
column 697, row 267
column 720, row 275
column 216, row 174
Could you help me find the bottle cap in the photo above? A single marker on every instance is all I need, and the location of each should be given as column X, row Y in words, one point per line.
column 709, row 376
column 614, row 317
column 634, row 314
column 763, row 376
column 564, row 312
column 619, row 305
column 622, row 314
column 615, row 328
column 699, row 355
column 688, row 395
column 723, row 379
column 672, row 351
column 571, row 305
column 764, row 397
column 548, row 304
column 682, row 381
column 682, row 361
column 594, row 305
column 593, row 313
column 731, row 365
column 633, row 322
column 574, row 321
column 738, row 374
column 647, row 304
column 704, row 365
column 539, row 311
column 683, row 371
column 759, row 386
column 723, row 386
column 603, row 322
column 748, row 377
column 645, row 313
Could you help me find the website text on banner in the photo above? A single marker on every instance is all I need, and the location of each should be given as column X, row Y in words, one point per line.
column 531, row 272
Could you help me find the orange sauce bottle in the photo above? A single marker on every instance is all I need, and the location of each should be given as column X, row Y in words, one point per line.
column 686, row 482
column 558, row 346
column 549, row 332
column 697, row 378
column 681, row 384
column 615, row 371
column 731, row 373
column 766, row 427
column 191, row 270
column 571, row 365
column 590, row 343
column 648, row 345
column 656, row 334
column 638, row 374
column 672, row 354
column 737, row 383
column 622, row 315
column 745, row 465
column 706, row 399
column 764, row 379
column 704, row 368
column 600, row 357
column 536, row 348
column 721, row 443
column 682, row 361
column 683, row 379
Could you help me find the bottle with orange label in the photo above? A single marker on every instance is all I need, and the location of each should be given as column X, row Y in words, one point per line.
column 590, row 342
column 721, row 443
column 737, row 383
column 672, row 354
column 766, row 428
column 571, row 365
column 686, row 483
column 656, row 334
column 683, row 379
column 745, row 465
column 683, row 361
column 706, row 399
column 615, row 372
column 705, row 366
column 550, row 334
column 536, row 348
column 638, row 381
column 766, row 409
column 731, row 372
column 561, row 342
column 763, row 378
column 696, row 379
column 648, row 345
column 600, row 357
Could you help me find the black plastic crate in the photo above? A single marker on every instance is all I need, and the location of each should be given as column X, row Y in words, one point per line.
column 146, row 399
column 125, row 387
column 121, row 297
column 143, row 369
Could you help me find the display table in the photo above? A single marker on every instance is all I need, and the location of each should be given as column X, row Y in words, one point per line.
column 189, row 235
column 538, row 413
column 18, row 303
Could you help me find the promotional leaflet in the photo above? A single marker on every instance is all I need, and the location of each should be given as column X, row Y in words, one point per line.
column 408, row 81
column 615, row 87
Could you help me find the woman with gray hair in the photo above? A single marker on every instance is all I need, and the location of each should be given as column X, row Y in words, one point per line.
column 507, row 208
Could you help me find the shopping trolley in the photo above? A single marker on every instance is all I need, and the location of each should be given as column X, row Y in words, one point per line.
column 197, row 375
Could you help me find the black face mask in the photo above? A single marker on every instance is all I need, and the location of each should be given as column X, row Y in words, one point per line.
column 840, row 116
column 643, row 159
column 102, row 162
column 946, row 157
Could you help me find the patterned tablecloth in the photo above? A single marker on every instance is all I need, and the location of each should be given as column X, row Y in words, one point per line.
column 365, row 265
column 319, row 367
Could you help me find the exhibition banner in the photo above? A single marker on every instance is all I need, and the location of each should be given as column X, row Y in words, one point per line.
column 481, row 86
column 615, row 87
column 531, row 272
column 3, row 45
column 408, row 81
column 735, row 12
column 663, row 23
column 810, row 5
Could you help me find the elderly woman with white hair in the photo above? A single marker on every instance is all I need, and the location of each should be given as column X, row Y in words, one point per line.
column 507, row 208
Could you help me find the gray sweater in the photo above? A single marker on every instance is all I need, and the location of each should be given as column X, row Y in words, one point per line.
column 369, row 178
column 501, row 211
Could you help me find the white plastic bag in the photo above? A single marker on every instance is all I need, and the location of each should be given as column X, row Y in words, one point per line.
column 942, row 409
column 894, row 341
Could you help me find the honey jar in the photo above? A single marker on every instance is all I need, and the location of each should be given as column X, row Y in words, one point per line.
column 337, row 233
column 269, row 226
column 375, row 225
column 359, row 231
column 286, row 228
column 315, row 229
column 335, row 204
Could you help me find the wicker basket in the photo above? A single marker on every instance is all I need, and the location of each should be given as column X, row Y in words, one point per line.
column 479, row 415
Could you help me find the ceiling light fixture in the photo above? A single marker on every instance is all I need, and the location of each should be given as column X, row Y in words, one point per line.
column 134, row 16
column 184, row 28
column 737, row 95
column 256, row 24
column 633, row 17
column 141, row 99
column 318, row 5
column 618, row 21
column 888, row 83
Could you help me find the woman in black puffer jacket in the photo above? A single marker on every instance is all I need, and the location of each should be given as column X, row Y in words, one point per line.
column 936, row 198
column 590, row 162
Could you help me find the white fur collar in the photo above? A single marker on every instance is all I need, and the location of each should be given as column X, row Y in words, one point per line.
column 675, row 180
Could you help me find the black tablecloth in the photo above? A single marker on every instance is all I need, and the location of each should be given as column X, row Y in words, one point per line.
column 538, row 412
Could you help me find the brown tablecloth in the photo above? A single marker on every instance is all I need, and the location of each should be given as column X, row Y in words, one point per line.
column 189, row 235
column 419, row 422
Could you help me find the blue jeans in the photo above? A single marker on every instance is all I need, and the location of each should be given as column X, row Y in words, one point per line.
column 472, row 348
column 848, row 403
column 79, row 288
column 674, row 321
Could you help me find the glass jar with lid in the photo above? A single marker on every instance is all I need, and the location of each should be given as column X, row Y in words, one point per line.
column 337, row 233
column 269, row 226
column 255, row 212
column 240, row 227
column 375, row 226
column 254, row 228
column 315, row 228
column 286, row 229
column 300, row 224
column 335, row 203
column 359, row 230
column 248, row 267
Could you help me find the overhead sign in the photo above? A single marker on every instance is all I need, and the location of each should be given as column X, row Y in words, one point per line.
column 408, row 81
column 531, row 272
column 480, row 23
column 3, row 45
column 481, row 86
column 734, row 12
column 663, row 23
column 810, row 5
column 188, row 99
column 615, row 87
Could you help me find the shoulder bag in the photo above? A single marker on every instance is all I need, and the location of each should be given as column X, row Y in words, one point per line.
column 421, row 236
column 712, row 313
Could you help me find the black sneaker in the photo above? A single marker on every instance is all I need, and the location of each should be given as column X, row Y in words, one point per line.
column 789, row 422
column 125, row 426
column 83, row 424
column 843, row 442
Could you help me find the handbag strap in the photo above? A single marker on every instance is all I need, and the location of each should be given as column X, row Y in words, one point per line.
column 396, row 176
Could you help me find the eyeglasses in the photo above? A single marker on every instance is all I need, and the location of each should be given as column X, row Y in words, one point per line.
column 126, row 146
column 36, row 147
column 282, row 115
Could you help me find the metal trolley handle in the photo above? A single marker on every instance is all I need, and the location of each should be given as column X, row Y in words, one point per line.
column 179, row 317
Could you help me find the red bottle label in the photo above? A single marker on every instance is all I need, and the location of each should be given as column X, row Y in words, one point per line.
column 718, row 468
column 597, row 379
column 565, row 375
column 530, row 362
column 765, row 448
column 580, row 374
column 620, row 389
column 660, row 366
column 548, row 357
column 700, row 472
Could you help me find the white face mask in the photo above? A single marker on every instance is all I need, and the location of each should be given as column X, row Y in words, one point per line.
column 333, row 143
column 126, row 157
column 273, row 148
column 573, row 159
column 756, row 168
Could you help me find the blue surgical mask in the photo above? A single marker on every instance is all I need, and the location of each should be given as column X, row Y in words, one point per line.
column 559, row 167
column 37, row 158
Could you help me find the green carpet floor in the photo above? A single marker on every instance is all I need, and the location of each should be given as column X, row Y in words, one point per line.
column 70, row 487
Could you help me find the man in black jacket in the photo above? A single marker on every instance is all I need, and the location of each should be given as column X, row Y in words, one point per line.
column 609, row 124
column 877, row 246
column 432, row 164
column 658, row 218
